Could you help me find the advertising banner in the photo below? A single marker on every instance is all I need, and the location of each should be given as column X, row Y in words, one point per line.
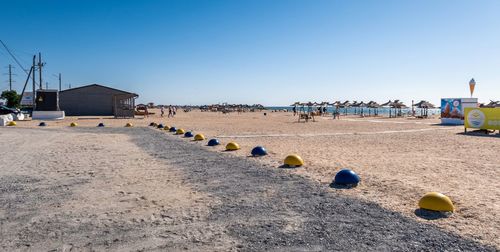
column 482, row 118
column 451, row 111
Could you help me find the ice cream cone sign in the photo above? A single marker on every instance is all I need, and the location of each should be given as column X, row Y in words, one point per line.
column 472, row 85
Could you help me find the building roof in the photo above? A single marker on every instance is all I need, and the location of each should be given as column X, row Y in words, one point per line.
column 97, row 85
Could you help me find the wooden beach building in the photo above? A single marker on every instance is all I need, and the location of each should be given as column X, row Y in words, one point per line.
column 97, row 100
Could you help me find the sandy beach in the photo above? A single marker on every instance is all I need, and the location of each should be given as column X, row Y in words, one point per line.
column 285, row 126
column 398, row 160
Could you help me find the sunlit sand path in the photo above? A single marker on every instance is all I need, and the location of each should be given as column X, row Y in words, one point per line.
column 338, row 133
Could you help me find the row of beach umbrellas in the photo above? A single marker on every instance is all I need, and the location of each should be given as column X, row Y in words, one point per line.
column 395, row 107
column 371, row 104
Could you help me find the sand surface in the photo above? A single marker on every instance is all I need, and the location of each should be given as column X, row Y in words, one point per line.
column 398, row 159
column 136, row 189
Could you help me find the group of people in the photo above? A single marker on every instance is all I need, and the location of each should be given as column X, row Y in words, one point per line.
column 172, row 111
column 320, row 111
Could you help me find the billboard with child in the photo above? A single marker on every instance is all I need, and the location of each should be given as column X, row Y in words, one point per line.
column 451, row 111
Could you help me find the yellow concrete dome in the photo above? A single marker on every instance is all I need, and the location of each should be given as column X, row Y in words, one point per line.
column 11, row 123
column 129, row 125
column 180, row 132
column 199, row 137
column 294, row 161
column 436, row 202
column 232, row 146
column 73, row 124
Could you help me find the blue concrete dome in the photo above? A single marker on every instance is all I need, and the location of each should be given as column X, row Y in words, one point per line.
column 213, row 142
column 259, row 151
column 346, row 177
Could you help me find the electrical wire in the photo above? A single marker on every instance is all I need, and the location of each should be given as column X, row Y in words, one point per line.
column 15, row 59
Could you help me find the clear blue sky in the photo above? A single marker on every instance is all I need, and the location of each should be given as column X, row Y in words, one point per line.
column 272, row 52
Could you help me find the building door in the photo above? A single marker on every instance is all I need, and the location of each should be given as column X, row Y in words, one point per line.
column 123, row 106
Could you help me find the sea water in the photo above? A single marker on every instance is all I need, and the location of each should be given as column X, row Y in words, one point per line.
column 366, row 111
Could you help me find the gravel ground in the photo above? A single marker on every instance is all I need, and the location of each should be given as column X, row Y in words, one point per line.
column 169, row 193
column 267, row 208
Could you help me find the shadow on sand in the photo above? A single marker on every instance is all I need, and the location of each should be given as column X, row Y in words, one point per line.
column 431, row 215
column 340, row 186
column 480, row 133
column 288, row 167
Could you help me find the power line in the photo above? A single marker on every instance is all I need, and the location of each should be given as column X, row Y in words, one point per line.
column 2, row 53
column 40, row 65
column 15, row 59
column 59, row 77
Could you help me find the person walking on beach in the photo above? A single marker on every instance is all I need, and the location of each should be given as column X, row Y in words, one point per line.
column 162, row 111
column 146, row 112
column 170, row 114
column 294, row 110
column 336, row 114
column 174, row 111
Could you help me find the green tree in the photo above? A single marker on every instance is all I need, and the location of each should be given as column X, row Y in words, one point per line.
column 13, row 99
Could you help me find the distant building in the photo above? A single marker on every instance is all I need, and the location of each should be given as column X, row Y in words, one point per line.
column 27, row 99
column 97, row 100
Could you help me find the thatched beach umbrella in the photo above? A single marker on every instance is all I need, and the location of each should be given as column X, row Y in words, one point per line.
column 390, row 105
column 345, row 105
column 355, row 105
column 335, row 106
column 373, row 105
column 361, row 106
column 491, row 104
column 398, row 105
column 424, row 106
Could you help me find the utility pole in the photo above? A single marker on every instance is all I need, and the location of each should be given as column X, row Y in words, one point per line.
column 10, row 77
column 40, row 65
column 34, row 83
column 46, row 85
column 59, row 82
column 10, row 74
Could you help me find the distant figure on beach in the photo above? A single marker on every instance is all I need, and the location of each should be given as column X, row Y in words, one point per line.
column 162, row 111
column 170, row 114
column 294, row 110
column 174, row 111
column 146, row 112
column 336, row 114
